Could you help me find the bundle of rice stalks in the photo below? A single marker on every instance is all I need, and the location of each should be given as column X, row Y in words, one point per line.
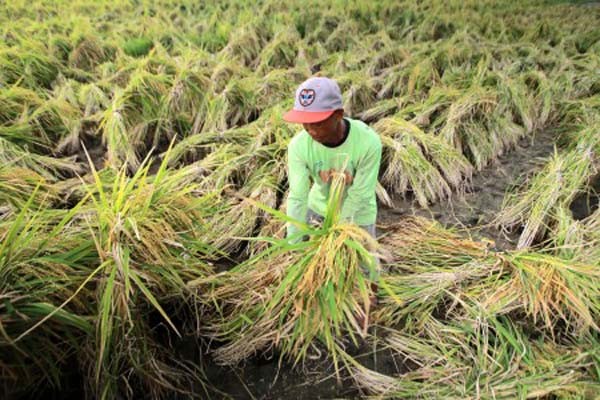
column 541, row 94
column 429, row 263
column 481, row 359
column 466, row 126
column 275, row 87
column 561, row 294
column 245, row 44
column 88, row 53
column 343, row 38
column 236, row 105
column 420, row 162
column 381, row 109
column 295, row 295
column 55, row 121
column 436, row 273
column 415, row 76
column 554, row 187
column 240, row 219
column 280, row 52
column 146, row 233
column 521, row 103
column 358, row 92
column 43, row 261
column 225, row 71
column 27, row 68
column 137, row 119
column 48, row 167
column 186, row 100
column 389, row 55
column 18, row 185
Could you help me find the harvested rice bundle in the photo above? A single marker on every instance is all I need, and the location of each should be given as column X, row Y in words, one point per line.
column 417, row 240
column 420, row 162
column 43, row 261
column 358, row 92
column 481, row 359
column 315, row 291
column 280, row 52
column 225, row 71
column 275, row 86
column 466, row 126
column 430, row 265
column 554, row 187
column 30, row 68
column 18, row 185
column 240, row 219
column 344, row 37
column 561, row 294
column 435, row 270
column 136, row 119
column 381, row 109
column 28, row 119
column 50, row 168
column 89, row 53
column 138, row 226
column 245, row 44
column 238, row 104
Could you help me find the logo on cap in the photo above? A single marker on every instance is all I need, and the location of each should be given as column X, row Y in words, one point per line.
column 306, row 97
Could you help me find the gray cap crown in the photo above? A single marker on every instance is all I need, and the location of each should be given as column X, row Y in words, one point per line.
column 318, row 94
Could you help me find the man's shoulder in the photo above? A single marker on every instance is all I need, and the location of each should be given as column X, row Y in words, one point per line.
column 367, row 134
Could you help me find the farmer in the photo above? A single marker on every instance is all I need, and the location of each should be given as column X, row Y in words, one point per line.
column 328, row 144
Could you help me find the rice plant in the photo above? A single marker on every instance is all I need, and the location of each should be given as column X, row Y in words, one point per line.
column 420, row 162
column 554, row 187
column 294, row 295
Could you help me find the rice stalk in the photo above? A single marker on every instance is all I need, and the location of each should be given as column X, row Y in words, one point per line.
column 420, row 162
column 315, row 290
column 553, row 187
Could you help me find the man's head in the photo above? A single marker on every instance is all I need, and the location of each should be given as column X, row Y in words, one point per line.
column 328, row 130
column 318, row 107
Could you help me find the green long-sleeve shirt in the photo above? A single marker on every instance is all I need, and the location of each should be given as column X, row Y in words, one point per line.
column 309, row 161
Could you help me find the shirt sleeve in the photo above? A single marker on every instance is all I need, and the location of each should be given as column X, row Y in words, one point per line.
column 299, row 186
column 361, row 191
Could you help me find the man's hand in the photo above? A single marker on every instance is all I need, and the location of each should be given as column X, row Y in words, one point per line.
column 326, row 176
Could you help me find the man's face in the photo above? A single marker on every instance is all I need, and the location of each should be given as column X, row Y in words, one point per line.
column 326, row 130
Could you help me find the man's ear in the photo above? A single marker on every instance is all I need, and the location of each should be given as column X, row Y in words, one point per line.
column 339, row 114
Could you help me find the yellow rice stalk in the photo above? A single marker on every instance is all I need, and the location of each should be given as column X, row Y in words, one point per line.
column 420, row 162
column 317, row 292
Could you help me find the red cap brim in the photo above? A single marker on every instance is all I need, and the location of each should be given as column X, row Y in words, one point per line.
column 306, row 117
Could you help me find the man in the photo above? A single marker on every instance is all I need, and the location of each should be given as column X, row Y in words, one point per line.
column 330, row 143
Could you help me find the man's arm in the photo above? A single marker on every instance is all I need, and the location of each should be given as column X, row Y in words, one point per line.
column 299, row 186
column 364, row 182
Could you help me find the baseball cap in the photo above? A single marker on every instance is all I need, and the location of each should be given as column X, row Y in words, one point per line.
column 316, row 99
